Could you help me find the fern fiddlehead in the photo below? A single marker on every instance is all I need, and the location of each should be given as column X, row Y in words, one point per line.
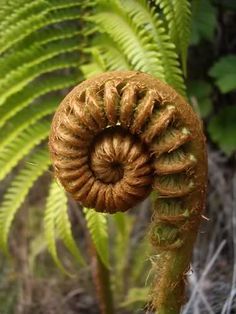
column 119, row 135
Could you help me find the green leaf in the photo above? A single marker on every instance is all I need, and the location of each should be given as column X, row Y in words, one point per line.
column 20, row 79
column 27, row 140
column 53, row 205
column 224, row 73
column 146, row 16
column 222, row 129
column 23, row 28
column 135, row 44
column 199, row 92
column 64, row 225
column 97, row 227
column 25, row 118
column 177, row 14
column 57, row 224
column 18, row 190
column 18, row 63
column 204, row 21
column 32, row 92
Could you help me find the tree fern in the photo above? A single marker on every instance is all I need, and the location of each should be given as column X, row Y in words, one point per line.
column 42, row 46
column 178, row 16
column 97, row 227
column 57, row 224
column 19, row 188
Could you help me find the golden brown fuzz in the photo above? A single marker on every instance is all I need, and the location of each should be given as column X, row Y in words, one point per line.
column 119, row 135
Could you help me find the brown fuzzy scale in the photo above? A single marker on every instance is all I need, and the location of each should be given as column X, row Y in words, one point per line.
column 119, row 135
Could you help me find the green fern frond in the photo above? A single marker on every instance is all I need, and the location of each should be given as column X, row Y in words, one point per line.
column 48, row 16
column 27, row 56
column 57, row 224
column 25, row 118
column 106, row 57
column 48, row 35
column 19, row 10
column 146, row 16
column 10, row 155
column 97, row 227
column 64, row 225
column 36, row 165
column 39, row 44
column 112, row 55
column 34, row 90
column 53, row 205
column 36, row 55
column 17, row 82
column 178, row 16
column 133, row 41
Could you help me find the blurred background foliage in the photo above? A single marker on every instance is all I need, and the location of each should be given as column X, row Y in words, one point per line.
column 47, row 47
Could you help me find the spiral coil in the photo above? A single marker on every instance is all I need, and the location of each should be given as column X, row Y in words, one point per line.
column 119, row 135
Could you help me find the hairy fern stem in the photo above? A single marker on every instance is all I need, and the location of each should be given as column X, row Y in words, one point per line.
column 116, row 137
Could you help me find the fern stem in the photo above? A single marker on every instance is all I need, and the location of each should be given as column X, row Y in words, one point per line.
column 173, row 265
column 101, row 278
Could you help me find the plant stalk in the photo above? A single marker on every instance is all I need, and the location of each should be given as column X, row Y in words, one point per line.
column 101, row 278
column 171, row 268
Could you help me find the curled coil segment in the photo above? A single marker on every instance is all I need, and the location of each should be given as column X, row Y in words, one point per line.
column 119, row 135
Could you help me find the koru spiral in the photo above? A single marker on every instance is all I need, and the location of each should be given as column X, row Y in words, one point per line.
column 120, row 134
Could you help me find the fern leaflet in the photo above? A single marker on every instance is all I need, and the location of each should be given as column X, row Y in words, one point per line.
column 27, row 75
column 134, row 42
column 64, row 225
column 25, row 118
column 178, row 17
column 31, row 92
column 10, row 155
column 52, row 206
column 18, row 190
column 97, row 227
column 56, row 222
